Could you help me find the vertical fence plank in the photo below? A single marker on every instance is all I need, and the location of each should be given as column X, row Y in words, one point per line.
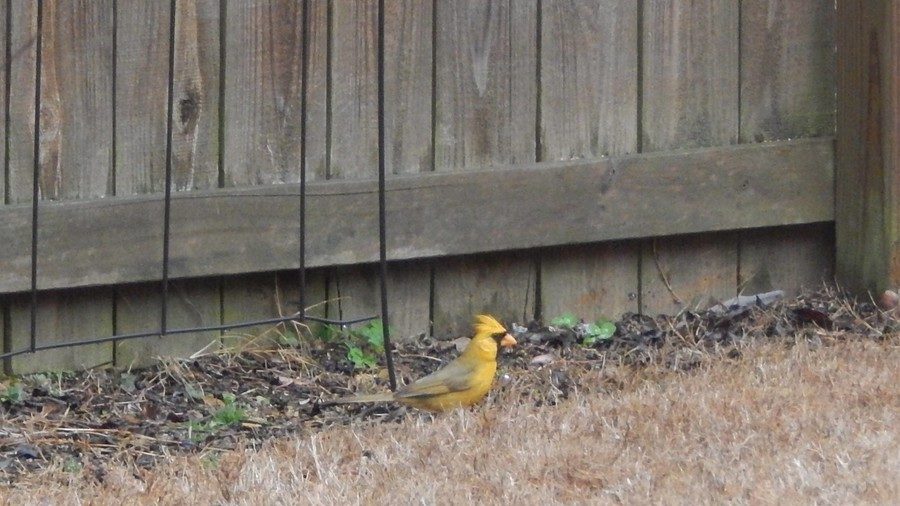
column 690, row 99
column 318, row 121
column 263, row 61
column 787, row 258
column 592, row 281
column 787, row 91
column 192, row 303
column 75, row 163
column 23, row 78
column 687, row 272
column 497, row 284
column 588, row 109
column 262, row 92
column 354, row 139
column 142, row 66
column 486, row 110
column 486, row 94
column 867, row 161
column 195, row 121
column 407, row 83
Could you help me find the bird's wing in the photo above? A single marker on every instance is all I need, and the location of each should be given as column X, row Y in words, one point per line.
column 454, row 377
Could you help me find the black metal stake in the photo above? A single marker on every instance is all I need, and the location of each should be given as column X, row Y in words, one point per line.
column 382, row 232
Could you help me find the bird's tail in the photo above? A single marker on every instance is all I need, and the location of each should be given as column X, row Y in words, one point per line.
column 356, row 399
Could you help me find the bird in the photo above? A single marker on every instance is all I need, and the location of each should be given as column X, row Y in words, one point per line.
column 464, row 381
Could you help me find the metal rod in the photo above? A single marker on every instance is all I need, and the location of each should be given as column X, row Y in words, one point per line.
column 304, row 72
column 36, row 174
column 167, row 204
column 382, row 221
column 188, row 330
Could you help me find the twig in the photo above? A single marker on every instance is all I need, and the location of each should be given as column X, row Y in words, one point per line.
column 662, row 275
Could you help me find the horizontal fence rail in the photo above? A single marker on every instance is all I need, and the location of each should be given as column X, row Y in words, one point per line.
column 255, row 229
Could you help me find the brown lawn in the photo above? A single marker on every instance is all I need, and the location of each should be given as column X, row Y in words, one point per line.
column 780, row 425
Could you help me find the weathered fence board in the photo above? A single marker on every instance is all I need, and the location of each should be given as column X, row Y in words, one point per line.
column 262, row 92
column 687, row 272
column 75, row 157
column 142, row 98
column 588, row 108
column 591, row 282
column 240, row 230
column 690, row 98
column 62, row 316
column 23, row 79
column 485, row 89
column 142, row 107
column 192, row 303
column 786, row 258
column 408, row 84
column 501, row 285
column 262, row 123
column 485, row 115
column 867, row 213
column 196, row 87
column 787, row 91
column 787, row 69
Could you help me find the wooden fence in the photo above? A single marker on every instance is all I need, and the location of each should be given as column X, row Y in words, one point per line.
column 588, row 156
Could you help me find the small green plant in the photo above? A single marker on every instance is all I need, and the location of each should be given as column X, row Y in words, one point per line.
column 595, row 332
column 228, row 415
column 566, row 321
column 363, row 344
column 590, row 333
column 13, row 394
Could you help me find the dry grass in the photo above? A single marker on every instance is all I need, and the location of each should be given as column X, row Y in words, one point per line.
column 780, row 425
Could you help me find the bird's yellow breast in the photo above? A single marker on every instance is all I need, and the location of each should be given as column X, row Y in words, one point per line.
column 480, row 384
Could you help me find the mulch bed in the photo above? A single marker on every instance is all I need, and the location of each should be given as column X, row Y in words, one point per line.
column 81, row 422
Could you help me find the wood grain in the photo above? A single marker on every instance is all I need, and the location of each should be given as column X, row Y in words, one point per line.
column 408, row 86
column 192, row 303
column 318, row 121
column 501, row 285
column 588, row 79
column 690, row 272
column 787, row 69
column 142, row 106
column 75, row 159
column 63, row 316
column 263, row 65
column 195, row 124
column 787, row 91
column 354, row 86
column 792, row 259
column 242, row 230
column 590, row 281
column 262, row 92
column 23, row 79
column 867, row 213
column 76, row 100
column 142, row 98
column 486, row 92
column 589, row 109
column 485, row 115
column 409, row 291
column 690, row 81
column 690, row 98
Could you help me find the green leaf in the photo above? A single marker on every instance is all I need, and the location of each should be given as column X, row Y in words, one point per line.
column 228, row 398
column 601, row 331
column 360, row 359
column 373, row 333
column 566, row 320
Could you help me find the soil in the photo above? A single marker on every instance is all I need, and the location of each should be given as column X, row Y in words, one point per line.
column 81, row 422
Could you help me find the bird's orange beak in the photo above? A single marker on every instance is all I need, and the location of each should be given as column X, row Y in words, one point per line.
column 508, row 341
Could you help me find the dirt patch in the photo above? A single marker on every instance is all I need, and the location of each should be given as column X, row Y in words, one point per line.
column 82, row 423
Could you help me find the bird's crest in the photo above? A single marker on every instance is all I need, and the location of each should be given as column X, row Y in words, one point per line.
column 486, row 324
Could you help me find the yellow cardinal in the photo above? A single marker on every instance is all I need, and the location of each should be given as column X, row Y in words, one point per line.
column 462, row 382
